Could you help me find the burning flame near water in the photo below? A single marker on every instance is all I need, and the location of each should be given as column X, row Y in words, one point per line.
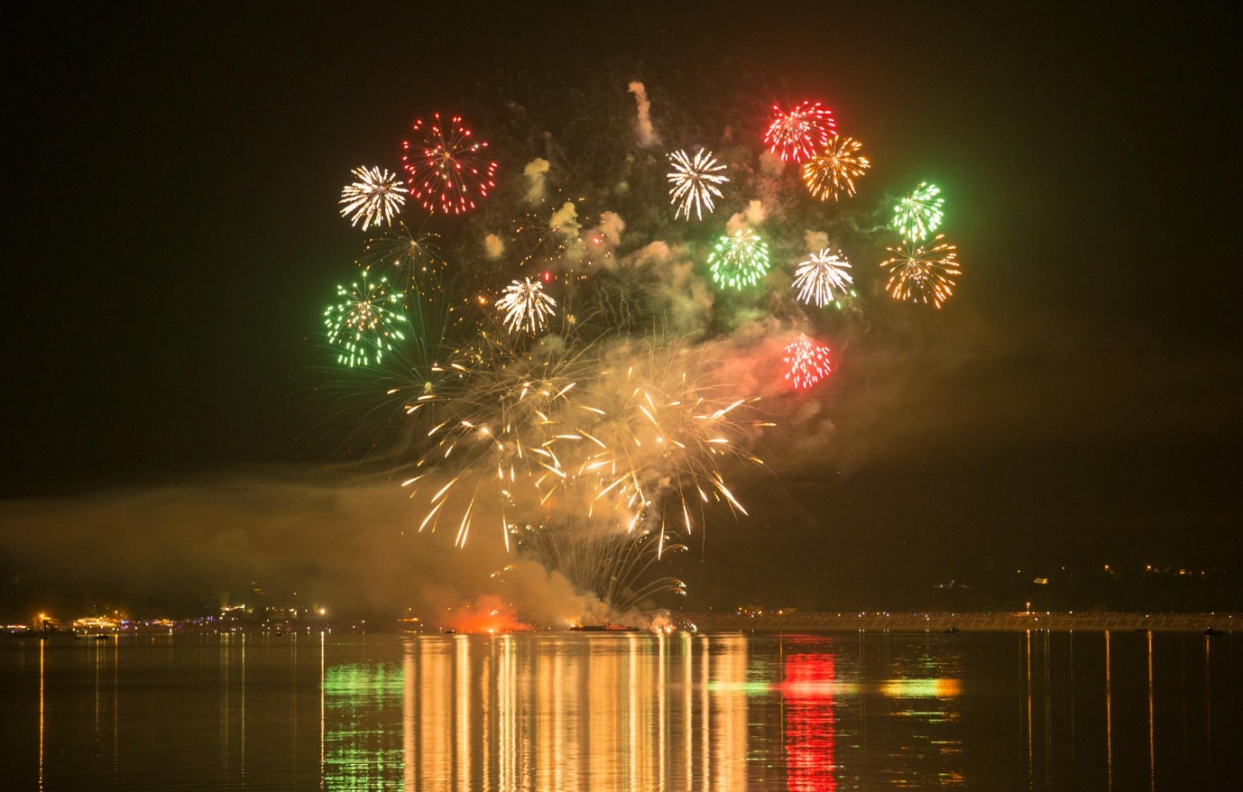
column 489, row 614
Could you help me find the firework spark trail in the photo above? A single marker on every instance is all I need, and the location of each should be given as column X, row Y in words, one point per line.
column 818, row 277
column 447, row 167
column 694, row 182
column 832, row 173
column 597, row 559
column 587, row 441
column 406, row 256
column 922, row 272
column 376, row 196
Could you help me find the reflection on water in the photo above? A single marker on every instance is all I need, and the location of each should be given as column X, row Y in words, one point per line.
column 624, row 711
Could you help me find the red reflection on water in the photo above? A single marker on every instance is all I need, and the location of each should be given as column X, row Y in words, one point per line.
column 807, row 687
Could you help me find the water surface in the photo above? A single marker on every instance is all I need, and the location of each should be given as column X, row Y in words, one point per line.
column 566, row 711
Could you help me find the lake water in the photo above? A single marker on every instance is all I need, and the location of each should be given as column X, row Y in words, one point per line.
column 579, row 711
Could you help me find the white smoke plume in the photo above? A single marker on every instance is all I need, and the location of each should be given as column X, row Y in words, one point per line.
column 771, row 165
column 493, row 246
column 536, row 171
column 610, row 227
column 815, row 240
column 647, row 135
column 755, row 214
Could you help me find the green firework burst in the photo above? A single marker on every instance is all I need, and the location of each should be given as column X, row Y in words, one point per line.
column 739, row 259
column 364, row 321
column 918, row 214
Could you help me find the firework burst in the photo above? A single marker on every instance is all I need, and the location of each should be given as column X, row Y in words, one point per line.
column 832, row 173
column 590, row 436
column 376, row 196
column 739, row 259
column 526, row 306
column 694, row 182
column 447, row 167
column 408, row 256
column 922, row 272
column 819, row 276
column 919, row 213
column 364, row 322
column 808, row 360
column 797, row 133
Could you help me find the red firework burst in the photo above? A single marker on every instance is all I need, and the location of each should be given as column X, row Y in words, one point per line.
column 808, row 360
column 798, row 134
column 447, row 167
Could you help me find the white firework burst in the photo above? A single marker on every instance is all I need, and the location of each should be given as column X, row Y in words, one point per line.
column 694, row 182
column 526, row 306
column 818, row 277
column 377, row 195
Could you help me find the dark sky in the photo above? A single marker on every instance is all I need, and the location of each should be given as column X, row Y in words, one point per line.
column 169, row 234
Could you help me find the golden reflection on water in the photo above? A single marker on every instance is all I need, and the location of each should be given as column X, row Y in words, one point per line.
column 608, row 712
column 42, row 644
column 1109, row 717
column 621, row 711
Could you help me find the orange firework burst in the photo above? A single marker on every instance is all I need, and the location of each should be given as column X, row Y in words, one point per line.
column 833, row 171
column 922, row 272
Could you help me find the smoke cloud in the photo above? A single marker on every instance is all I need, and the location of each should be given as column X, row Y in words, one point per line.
column 348, row 545
column 536, row 171
column 752, row 216
column 493, row 246
column 771, row 165
column 815, row 240
column 647, row 135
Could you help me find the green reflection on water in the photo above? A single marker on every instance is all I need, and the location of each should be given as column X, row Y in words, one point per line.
column 362, row 737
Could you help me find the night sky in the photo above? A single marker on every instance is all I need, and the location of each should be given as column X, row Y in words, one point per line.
column 170, row 236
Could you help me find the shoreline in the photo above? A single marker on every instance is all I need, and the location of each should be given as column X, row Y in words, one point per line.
column 968, row 622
